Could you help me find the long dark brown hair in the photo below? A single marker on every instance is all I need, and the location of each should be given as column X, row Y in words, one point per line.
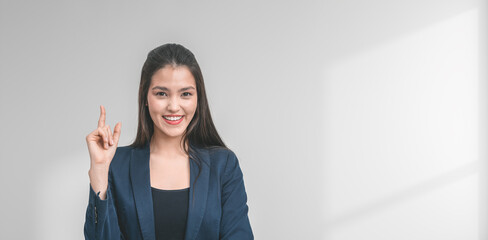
column 201, row 131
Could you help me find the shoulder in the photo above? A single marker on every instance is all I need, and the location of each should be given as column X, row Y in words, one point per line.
column 220, row 151
column 218, row 154
column 123, row 152
column 222, row 158
column 122, row 157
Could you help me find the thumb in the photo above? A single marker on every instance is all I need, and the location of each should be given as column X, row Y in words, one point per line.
column 116, row 135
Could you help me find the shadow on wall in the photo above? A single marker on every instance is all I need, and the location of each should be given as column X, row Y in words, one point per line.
column 401, row 129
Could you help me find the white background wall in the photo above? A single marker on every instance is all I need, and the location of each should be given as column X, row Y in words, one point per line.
column 351, row 119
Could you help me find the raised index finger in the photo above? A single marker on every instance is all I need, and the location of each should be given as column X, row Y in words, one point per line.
column 101, row 120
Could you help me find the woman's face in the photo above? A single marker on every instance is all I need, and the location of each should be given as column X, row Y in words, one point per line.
column 172, row 100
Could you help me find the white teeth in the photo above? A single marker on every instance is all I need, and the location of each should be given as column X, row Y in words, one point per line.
column 172, row 118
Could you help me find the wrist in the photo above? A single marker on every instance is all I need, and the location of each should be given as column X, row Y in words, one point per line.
column 99, row 181
column 98, row 169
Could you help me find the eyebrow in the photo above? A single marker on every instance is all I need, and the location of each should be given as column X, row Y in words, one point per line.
column 166, row 89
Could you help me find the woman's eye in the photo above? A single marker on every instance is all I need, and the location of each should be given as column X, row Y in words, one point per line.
column 161, row 93
column 186, row 94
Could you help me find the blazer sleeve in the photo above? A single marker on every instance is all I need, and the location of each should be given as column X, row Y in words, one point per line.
column 101, row 217
column 235, row 223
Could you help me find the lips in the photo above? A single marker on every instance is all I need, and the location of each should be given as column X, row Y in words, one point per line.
column 173, row 119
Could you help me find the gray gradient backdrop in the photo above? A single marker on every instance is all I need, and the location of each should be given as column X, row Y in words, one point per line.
column 351, row 119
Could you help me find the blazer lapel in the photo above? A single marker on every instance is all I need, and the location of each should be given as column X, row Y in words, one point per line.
column 141, row 187
column 196, row 209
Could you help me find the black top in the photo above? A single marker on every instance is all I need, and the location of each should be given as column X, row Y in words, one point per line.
column 170, row 213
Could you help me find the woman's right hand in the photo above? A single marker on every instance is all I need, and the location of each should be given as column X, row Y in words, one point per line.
column 101, row 146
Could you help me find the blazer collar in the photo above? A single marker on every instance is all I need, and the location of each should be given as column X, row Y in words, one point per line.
column 141, row 186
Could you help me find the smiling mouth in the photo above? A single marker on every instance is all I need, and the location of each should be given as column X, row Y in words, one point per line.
column 173, row 118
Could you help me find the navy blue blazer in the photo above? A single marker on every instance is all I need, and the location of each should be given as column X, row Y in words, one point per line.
column 219, row 209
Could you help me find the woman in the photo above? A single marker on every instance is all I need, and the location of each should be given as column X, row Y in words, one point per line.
column 177, row 180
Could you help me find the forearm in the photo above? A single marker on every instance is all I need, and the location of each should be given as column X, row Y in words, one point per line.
column 101, row 221
column 99, row 180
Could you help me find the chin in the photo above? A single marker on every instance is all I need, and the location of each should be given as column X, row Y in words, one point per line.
column 173, row 134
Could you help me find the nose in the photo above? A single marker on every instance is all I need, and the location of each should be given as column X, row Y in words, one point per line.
column 173, row 105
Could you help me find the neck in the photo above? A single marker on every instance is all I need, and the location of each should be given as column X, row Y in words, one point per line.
column 167, row 146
